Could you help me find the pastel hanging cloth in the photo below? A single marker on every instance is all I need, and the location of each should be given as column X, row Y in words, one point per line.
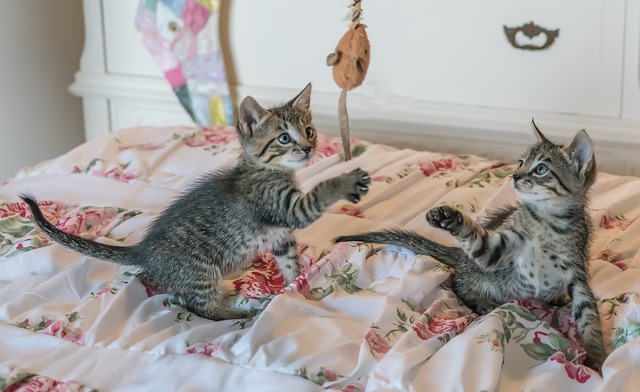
column 182, row 36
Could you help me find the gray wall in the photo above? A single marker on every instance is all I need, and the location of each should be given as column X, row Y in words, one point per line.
column 40, row 47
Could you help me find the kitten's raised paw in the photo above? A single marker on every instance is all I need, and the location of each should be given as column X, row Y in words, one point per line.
column 355, row 184
column 446, row 218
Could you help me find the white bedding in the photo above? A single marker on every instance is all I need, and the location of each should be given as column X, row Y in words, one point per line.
column 360, row 318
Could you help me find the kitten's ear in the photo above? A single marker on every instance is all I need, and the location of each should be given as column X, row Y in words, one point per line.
column 302, row 100
column 538, row 133
column 251, row 114
column 581, row 149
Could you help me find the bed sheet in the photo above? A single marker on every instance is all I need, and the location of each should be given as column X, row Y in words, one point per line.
column 361, row 317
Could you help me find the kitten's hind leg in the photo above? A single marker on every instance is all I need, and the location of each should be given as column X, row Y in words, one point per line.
column 286, row 254
column 585, row 311
column 204, row 298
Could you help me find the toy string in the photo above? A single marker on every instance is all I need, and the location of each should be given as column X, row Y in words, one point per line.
column 343, row 118
column 356, row 12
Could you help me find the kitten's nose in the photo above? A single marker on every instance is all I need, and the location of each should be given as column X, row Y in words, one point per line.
column 306, row 149
column 517, row 176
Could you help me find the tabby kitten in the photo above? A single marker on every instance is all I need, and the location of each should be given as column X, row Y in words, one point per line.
column 231, row 216
column 535, row 249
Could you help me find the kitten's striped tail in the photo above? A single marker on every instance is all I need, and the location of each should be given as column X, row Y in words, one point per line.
column 413, row 241
column 118, row 254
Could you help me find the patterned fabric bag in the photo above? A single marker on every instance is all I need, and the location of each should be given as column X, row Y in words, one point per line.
column 182, row 36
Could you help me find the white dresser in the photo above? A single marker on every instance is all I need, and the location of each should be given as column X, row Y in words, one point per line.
column 444, row 74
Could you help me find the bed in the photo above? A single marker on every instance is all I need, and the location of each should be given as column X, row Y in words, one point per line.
column 361, row 317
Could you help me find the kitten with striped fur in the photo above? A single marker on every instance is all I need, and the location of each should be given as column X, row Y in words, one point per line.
column 231, row 216
column 535, row 249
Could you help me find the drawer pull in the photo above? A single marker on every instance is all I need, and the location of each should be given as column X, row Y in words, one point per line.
column 530, row 30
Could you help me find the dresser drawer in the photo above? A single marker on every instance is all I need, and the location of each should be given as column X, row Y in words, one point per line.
column 124, row 49
column 131, row 113
column 457, row 52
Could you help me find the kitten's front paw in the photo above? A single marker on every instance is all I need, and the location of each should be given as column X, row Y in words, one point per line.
column 446, row 218
column 354, row 185
column 594, row 363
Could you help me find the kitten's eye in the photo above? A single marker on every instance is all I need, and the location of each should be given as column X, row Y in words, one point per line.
column 541, row 169
column 284, row 138
column 310, row 133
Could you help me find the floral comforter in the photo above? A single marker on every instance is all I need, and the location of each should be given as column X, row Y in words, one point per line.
column 360, row 317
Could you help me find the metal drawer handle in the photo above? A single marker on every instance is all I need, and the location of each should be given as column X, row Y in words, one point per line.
column 530, row 30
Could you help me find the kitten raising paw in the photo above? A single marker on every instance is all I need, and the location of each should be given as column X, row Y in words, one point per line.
column 353, row 185
column 446, row 218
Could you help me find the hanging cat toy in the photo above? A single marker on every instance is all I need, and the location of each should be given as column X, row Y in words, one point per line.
column 350, row 62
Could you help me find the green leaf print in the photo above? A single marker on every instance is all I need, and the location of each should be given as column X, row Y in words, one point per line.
column 453, row 183
column 538, row 351
column 558, row 342
column 401, row 324
column 13, row 378
column 73, row 316
column 487, row 177
column 411, row 303
column 184, row 316
column 358, row 149
column 16, row 226
column 320, row 377
column 520, row 311
column 344, row 278
column 615, row 302
column 627, row 331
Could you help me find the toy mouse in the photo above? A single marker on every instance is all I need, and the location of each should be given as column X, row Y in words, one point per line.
column 350, row 62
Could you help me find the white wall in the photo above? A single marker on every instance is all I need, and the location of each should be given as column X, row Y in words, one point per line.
column 40, row 46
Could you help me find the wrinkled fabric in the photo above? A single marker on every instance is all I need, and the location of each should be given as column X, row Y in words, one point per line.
column 361, row 316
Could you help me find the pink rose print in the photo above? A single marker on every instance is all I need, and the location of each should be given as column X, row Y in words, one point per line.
column 209, row 349
column 442, row 164
column 116, row 174
column 576, row 372
column 21, row 208
column 495, row 344
column 208, row 136
column 329, row 375
column 351, row 210
column 327, row 146
column 39, row 383
column 612, row 222
column 421, row 329
column 620, row 264
column 536, row 336
column 58, row 329
column 302, row 286
column 379, row 178
column 441, row 319
column 74, row 336
column 540, row 309
column 259, row 283
column 376, row 342
column 33, row 384
column 608, row 255
column 141, row 147
column 103, row 290
column 71, row 224
column 613, row 258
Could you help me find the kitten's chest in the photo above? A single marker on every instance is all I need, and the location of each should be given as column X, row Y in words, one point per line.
column 542, row 266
